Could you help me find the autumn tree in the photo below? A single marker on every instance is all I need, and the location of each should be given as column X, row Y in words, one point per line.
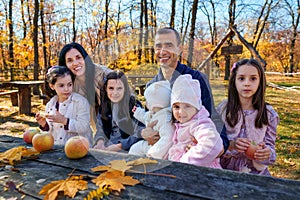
column 293, row 10
column 231, row 13
column 208, row 8
column 106, row 27
column 192, row 32
column 173, row 12
column 11, row 40
column 35, row 44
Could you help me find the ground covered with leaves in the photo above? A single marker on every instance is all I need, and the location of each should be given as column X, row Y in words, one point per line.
column 285, row 102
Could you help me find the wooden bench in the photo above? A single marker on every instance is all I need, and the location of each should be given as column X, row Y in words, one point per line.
column 13, row 96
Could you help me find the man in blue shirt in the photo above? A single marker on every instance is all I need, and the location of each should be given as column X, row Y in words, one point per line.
column 167, row 46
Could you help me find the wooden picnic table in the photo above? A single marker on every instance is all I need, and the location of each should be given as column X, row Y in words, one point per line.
column 191, row 182
column 139, row 81
column 24, row 93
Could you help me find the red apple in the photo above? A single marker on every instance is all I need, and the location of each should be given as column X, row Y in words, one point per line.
column 42, row 141
column 29, row 133
column 76, row 147
column 251, row 150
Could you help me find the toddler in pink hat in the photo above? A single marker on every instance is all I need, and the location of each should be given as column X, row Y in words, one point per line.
column 196, row 139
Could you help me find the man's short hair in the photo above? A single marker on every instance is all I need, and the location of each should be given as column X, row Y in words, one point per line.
column 166, row 30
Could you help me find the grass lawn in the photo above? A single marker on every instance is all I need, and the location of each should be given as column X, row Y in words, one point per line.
column 287, row 104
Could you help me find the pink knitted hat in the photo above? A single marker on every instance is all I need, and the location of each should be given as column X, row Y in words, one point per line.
column 186, row 90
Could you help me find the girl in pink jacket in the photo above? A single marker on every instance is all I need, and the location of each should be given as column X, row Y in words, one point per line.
column 196, row 139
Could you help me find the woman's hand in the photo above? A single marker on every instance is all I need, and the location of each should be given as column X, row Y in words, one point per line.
column 150, row 135
column 40, row 120
column 262, row 154
column 241, row 144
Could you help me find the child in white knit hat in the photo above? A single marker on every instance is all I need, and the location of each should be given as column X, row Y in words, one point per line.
column 193, row 126
column 157, row 97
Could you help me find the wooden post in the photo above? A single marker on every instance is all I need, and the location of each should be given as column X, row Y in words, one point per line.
column 24, row 100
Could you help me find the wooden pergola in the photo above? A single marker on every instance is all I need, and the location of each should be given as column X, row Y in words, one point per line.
column 233, row 31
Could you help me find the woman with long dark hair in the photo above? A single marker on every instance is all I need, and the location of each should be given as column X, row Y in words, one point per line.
column 89, row 77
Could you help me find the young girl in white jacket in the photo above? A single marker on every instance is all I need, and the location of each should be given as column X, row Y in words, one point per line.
column 67, row 113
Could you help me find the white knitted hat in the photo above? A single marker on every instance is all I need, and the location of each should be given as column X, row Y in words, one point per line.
column 158, row 94
column 186, row 90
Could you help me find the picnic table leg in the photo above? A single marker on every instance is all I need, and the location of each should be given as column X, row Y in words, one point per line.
column 14, row 99
column 24, row 100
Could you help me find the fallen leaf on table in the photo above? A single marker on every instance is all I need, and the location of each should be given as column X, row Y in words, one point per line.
column 114, row 176
column 115, row 180
column 16, row 154
column 69, row 186
column 142, row 161
column 120, row 165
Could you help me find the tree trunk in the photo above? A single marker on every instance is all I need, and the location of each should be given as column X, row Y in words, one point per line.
column 294, row 36
column 154, row 26
column 11, row 40
column 211, row 19
column 192, row 33
column 185, row 32
column 35, row 44
column 43, row 35
column 118, row 28
column 141, row 33
column 182, row 18
column 231, row 12
column 74, row 21
column 29, row 13
column 23, row 20
column 146, row 49
column 173, row 6
column 107, row 2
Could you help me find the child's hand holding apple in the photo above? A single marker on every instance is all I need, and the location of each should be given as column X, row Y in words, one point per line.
column 262, row 153
column 241, row 144
column 41, row 119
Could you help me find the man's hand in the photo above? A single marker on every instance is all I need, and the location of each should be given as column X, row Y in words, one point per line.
column 114, row 147
column 150, row 135
column 100, row 145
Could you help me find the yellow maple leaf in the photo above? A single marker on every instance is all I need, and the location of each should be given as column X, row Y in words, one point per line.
column 101, row 168
column 69, row 186
column 27, row 152
column 115, row 180
column 120, row 165
column 16, row 154
column 142, row 161
column 11, row 155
